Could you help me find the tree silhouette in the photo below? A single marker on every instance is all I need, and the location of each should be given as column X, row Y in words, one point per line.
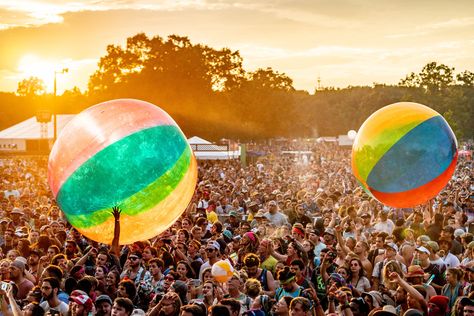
column 32, row 86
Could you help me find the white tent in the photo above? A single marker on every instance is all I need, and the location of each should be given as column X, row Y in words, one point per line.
column 205, row 150
column 21, row 136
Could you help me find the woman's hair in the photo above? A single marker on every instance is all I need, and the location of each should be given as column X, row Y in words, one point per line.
column 25, row 249
column 153, row 251
column 130, row 288
column 251, row 260
column 204, row 272
column 457, row 273
column 253, row 287
column 117, row 276
column 186, row 234
column 189, row 271
column 391, row 266
column 361, row 271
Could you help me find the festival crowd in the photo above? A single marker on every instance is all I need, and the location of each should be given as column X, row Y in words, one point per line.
column 303, row 238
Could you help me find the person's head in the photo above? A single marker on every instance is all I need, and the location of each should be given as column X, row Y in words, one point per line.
column 61, row 261
column 453, row 275
column 17, row 269
column 206, row 275
column 184, row 270
column 468, row 307
column 122, row 307
column 234, row 283
column 155, row 266
column 400, row 296
column 135, row 259
column 251, row 263
column 445, row 244
column 300, row 306
column 103, row 305
column 297, row 267
column 33, row 309
column 343, row 271
column 287, row 279
column 282, row 307
column 101, row 272
column 422, row 253
column 212, row 249
column 252, row 287
column 102, row 258
column 438, row 305
column 80, row 304
column 171, row 304
column 149, row 253
column 193, row 310
column 126, row 288
column 356, row 268
column 380, row 240
column 112, row 279
column 49, row 288
column 232, row 304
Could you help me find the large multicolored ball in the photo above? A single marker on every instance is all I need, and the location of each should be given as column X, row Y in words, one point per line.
column 404, row 154
column 222, row 271
column 126, row 153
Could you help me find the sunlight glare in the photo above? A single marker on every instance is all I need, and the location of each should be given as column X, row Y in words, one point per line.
column 33, row 66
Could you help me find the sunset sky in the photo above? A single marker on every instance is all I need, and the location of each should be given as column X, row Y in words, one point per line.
column 345, row 42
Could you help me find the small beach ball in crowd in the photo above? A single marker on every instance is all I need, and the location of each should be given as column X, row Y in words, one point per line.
column 126, row 153
column 222, row 271
column 404, row 154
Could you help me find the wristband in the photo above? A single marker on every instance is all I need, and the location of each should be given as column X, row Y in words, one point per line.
column 346, row 305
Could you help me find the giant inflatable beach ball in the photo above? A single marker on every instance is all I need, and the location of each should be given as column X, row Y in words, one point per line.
column 404, row 154
column 222, row 271
column 126, row 153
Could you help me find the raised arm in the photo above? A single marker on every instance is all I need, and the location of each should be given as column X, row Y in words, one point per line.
column 115, row 249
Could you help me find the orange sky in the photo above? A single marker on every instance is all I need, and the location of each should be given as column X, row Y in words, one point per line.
column 345, row 42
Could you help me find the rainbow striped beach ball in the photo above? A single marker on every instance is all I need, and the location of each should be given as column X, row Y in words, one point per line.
column 126, row 153
column 404, row 154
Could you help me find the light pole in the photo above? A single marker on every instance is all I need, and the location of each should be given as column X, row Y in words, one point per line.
column 63, row 71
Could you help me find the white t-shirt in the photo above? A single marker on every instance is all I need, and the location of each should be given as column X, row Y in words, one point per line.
column 386, row 226
column 451, row 260
column 62, row 308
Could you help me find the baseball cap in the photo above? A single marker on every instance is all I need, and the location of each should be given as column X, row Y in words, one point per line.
column 391, row 245
column 233, row 213
column 440, row 301
column 329, row 231
column 81, row 298
column 103, row 298
column 424, row 250
column 214, row 244
column 433, row 245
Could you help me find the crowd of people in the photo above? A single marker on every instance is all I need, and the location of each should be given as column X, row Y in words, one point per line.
column 302, row 236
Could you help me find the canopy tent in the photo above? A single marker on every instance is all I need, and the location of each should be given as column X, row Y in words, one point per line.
column 30, row 136
column 205, row 150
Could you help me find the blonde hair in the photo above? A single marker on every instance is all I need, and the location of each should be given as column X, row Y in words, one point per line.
column 253, row 288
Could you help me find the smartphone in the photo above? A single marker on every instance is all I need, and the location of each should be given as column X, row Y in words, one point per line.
column 4, row 286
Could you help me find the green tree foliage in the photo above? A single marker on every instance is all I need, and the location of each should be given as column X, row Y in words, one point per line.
column 208, row 93
column 32, row 86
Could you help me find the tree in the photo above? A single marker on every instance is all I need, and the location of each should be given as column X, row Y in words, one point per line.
column 432, row 78
column 32, row 86
column 466, row 78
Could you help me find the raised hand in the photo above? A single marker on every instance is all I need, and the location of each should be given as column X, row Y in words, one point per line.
column 116, row 211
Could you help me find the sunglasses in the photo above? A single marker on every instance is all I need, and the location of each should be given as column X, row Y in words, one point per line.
column 209, row 249
column 169, row 278
column 133, row 258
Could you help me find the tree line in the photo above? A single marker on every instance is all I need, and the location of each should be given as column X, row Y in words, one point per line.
column 209, row 93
